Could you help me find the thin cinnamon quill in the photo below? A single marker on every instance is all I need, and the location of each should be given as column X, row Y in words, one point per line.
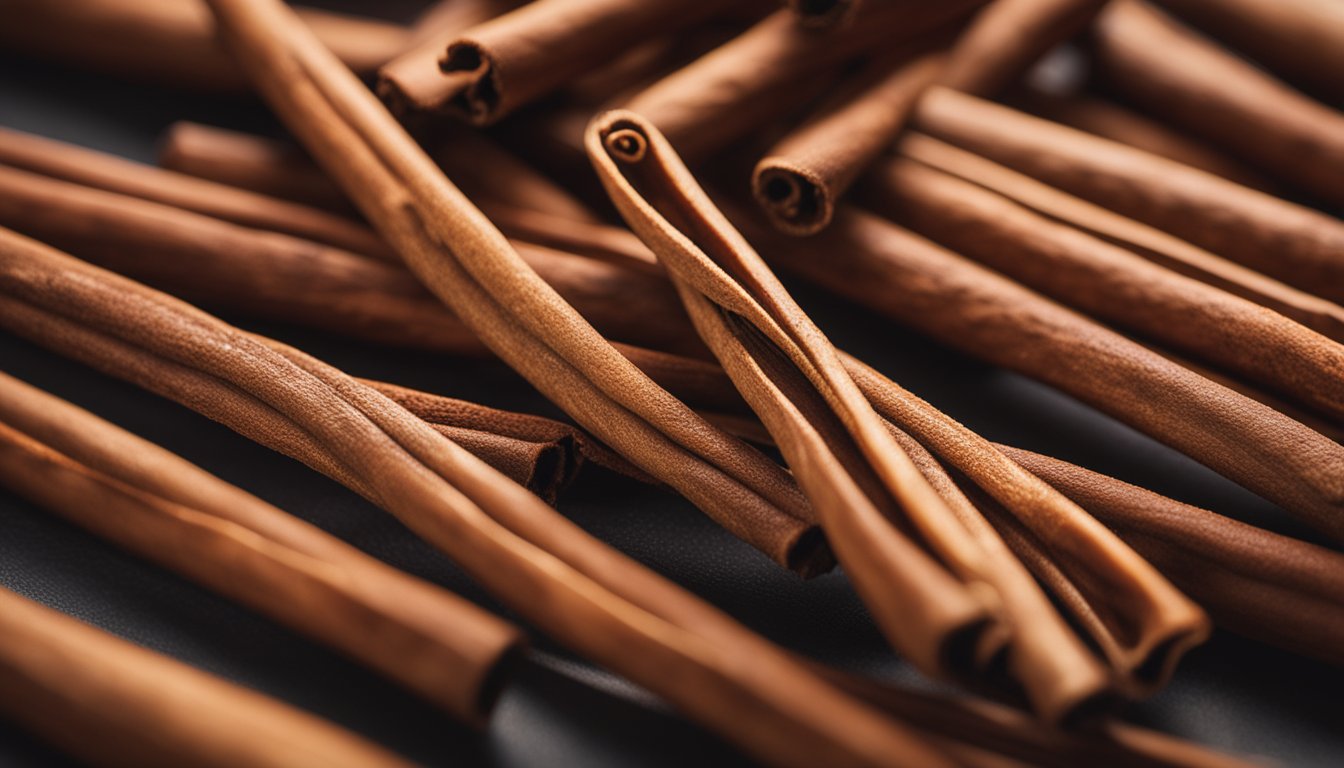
column 772, row 57
column 110, row 702
column 179, row 248
column 1177, row 74
column 1293, row 243
column 1269, row 587
column 824, row 410
column 1302, row 40
column 465, row 261
column 1104, row 280
column 492, row 69
column 584, row 594
column 406, row 81
column 890, row 270
column 159, row 506
column 172, row 42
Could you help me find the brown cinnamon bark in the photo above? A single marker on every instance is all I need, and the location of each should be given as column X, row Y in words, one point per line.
column 894, row 272
column 100, row 170
column 404, row 82
column 1106, row 281
column 802, row 176
column 109, row 702
column 772, row 57
column 1302, row 40
column 1109, row 120
column 172, row 43
column 1173, row 72
column 1269, row 587
column 823, row 419
column 1324, row 317
column 584, row 594
column 1295, row 244
column 213, row 260
column 1005, row 39
column 465, row 261
column 153, row 503
column 494, row 68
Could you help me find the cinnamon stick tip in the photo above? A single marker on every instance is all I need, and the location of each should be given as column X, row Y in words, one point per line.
column 476, row 84
column 809, row 554
column 796, row 202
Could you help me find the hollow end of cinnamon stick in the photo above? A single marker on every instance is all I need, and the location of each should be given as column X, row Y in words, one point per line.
column 473, row 81
column 626, row 143
column 797, row 202
column 810, row 555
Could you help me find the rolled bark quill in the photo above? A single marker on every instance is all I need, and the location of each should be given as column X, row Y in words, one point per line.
column 1324, row 317
column 648, row 183
column 1268, row 587
column 465, row 261
column 1110, row 120
column 492, row 69
column 1104, row 280
column 892, row 271
column 114, row 174
column 414, row 75
column 157, row 505
column 583, row 593
column 376, row 300
column 802, row 176
column 1301, row 40
column 1005, row 39
column 1290, row 242
column 92, row 695
column 772, row 57
column 174, row 42
column 1177, row 74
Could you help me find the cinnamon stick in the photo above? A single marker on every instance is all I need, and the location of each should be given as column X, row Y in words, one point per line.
column 492, row 69
column 213, row 261
column 802, row 176
column 1293, row 243
column 110, row 702
column 172, row 43
column 688, row 105
column 406, row 80
column 822, row 417
column 892, row 271
column 1324, row 317
column 464, row 260
column 1005, row 39
column 160, row 507
column 1110, row 120
column 1269, row 587
column 1302, row 40
column 1106, row 281
column 1174, row 72
column 581, row 592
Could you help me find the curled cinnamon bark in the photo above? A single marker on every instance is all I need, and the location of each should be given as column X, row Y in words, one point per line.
column 1295, row 244
column 161, row 507
column 584, row 594
column 823, row 410
column 894, row 272
column 1172, row 71
column 1107, row 281
column 496, row 67
column 376, row 300
column 1269, row 587
column 465, row 260
column 770, row 58
column 801, row 177
column 1008, row 36
column 172, row 43
column 1302, row 40
column 114, row 174
column 1112, row 121
column 110, row 702
column 410, row 81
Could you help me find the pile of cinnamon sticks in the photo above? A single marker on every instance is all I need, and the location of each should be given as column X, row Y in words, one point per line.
column 598, row 193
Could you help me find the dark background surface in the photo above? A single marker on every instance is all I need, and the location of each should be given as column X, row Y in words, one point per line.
column 1232, row 693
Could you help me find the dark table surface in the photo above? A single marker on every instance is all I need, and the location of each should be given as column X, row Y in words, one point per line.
column 1231, row 693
